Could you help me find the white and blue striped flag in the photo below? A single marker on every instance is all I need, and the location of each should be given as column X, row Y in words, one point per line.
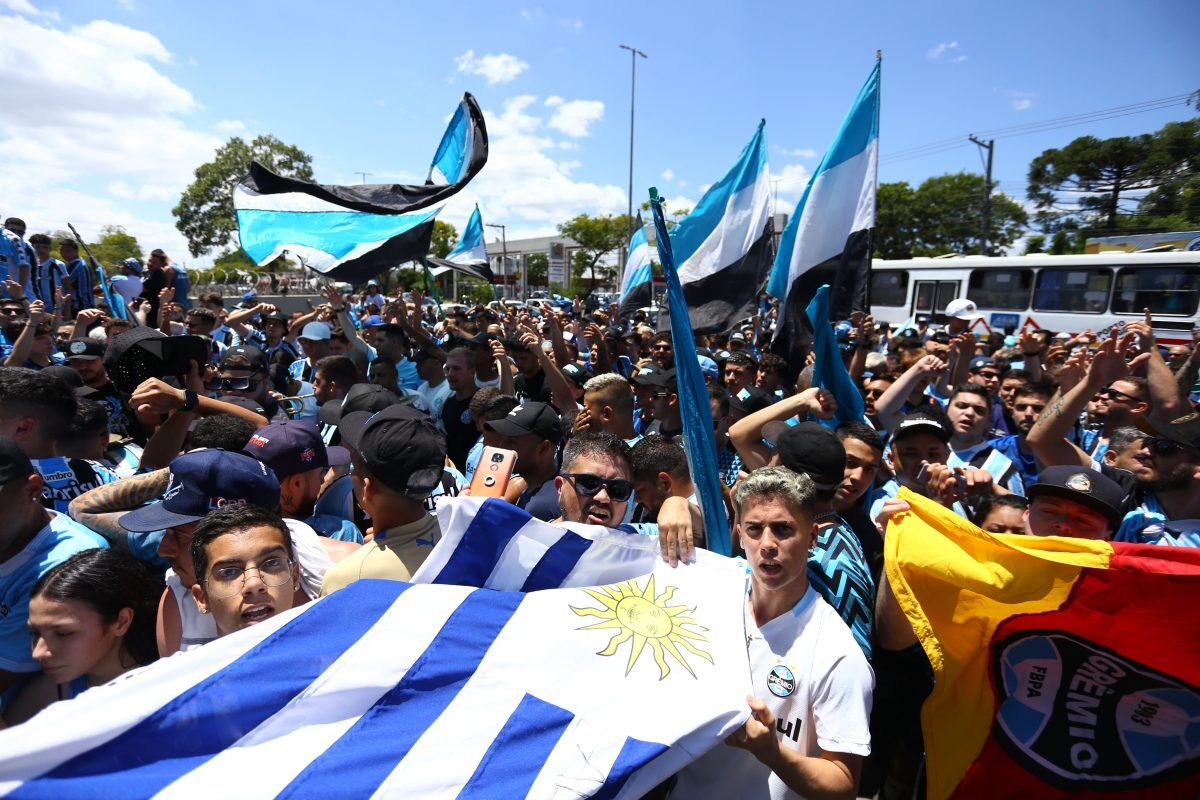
column 469, row 256
column 386, row 689
column 637, row 280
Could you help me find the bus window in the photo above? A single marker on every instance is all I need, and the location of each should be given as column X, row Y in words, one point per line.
column 946, row 294
column 1169, row 291
column 1079, row 291
column 889, row 288
column 1003, row 289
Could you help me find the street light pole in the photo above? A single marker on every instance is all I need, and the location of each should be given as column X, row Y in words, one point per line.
column 364, row 176
column 633, row 57
column 503, row 247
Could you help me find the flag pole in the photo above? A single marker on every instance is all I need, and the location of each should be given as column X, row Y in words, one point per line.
column 698, row 437
column 431, row 287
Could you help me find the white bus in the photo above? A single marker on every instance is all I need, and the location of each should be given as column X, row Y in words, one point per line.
column 1060, row 293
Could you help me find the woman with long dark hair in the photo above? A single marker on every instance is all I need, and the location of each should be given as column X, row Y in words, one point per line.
column 92, row 619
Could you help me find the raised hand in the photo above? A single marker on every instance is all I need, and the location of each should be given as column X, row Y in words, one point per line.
column 14, row 289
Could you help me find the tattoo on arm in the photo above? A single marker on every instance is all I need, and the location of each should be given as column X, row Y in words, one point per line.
column 100, row 508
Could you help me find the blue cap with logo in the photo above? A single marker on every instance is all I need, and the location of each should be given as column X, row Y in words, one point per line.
column 203, row 481
column 290, row 447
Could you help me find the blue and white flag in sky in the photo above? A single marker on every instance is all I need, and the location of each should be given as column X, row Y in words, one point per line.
column 386, row 689
column 829, row 370
column 723, row 248
column 636, row 283
column 828, row 240
column 353, row 233
column 469, row 256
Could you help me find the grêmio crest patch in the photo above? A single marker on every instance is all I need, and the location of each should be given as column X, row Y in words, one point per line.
column 1080, row 716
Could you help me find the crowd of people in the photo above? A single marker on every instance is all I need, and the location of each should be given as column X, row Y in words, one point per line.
column 180, row 468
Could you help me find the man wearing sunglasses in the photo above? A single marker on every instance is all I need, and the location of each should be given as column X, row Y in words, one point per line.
column 1170, row 479
column 243, row 372
column 595, row 486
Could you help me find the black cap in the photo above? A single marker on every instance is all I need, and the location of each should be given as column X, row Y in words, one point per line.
column 257, row 358
column 750, row 399
column 922, row 422
column 85, row 349
column 278, row 316
column 1182, row 430
column 656, row 376
column 406, row 453
column 14, row 463
column 244, row 402
column 290, row 447
column 576, row 374
column 533, row 417
column 814, row 450
column 647, row 375
column 1084, row 486
column 979, row 362
column 369, row 397
column 71, row 378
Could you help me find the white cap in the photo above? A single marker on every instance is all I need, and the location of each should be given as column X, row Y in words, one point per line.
column 965, row 310
column 315, row 331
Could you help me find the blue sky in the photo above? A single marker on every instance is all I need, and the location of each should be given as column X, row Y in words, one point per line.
column 109, row 106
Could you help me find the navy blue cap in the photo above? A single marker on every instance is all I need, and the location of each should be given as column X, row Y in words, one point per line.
column 290, row 447
column 203, row 481
column 979, row 362
column 751, row 399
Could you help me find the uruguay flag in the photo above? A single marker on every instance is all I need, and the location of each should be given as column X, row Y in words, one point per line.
column 386, row 689
column 353, row 233
column 723, row 248
column 636, row 287
column 829, row 237
column 469, row 256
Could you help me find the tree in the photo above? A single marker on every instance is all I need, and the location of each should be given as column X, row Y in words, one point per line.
column 205, row 214
column 114, row 246
column 597, row 237
column 537, row 269
column 445, row 236
column 942, row 215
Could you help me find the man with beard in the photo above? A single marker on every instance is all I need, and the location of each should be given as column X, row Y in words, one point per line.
column 1029, row 401
column 1170, row 481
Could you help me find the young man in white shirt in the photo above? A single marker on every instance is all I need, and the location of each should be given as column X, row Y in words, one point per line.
column 810, row 734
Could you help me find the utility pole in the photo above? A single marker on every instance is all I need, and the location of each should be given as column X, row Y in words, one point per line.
column 503, row 250
column 364, row 175
column 986, row 225
column 633, row 57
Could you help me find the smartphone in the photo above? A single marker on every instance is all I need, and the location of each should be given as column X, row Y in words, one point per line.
column 493, row 473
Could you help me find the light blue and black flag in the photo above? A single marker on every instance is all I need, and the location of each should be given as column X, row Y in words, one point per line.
column 829, row 237
column 637, row 288
column 723, row 248
column 469, row 256
column 353, row 233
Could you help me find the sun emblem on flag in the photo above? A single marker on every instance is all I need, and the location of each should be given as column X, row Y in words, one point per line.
column 643, row 618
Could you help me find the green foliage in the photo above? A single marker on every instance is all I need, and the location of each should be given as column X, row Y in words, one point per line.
column 445, row 236
column 597, row 237
column 1102, row 174
column 942, row 215
column 205, row 214
column 537, row 269
column 1035, row 244
column 114, row 246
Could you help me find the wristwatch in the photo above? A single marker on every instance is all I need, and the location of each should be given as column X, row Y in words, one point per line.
column 190, row 399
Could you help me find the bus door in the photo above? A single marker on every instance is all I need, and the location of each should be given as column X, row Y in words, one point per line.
column 932, row 297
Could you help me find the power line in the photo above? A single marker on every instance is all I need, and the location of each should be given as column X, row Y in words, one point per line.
column 945, row 145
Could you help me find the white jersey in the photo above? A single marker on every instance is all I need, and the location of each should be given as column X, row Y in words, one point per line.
column 807, row 668
column 314, row 562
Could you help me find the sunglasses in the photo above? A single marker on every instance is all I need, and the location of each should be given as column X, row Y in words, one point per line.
column 1108, row 391
column 590, row 485
column 1168, row 447
column 232, row 384
column 661, row 347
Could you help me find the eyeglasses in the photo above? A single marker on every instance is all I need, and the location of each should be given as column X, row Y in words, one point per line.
column 232, row 384
column 1108, row 391
column 661, row 346
column 1168, row 447
column 228, row 581
column 590, row 485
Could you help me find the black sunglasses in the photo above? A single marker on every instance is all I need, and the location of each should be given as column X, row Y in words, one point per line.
column 232, row 384
column 1168, row 447
column 1108, row 391
column 590, row 485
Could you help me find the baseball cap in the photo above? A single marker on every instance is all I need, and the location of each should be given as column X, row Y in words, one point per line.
column 1183, row 430
column 1084, row 486
column 532, row 417
column 370, row 397
column 86, row 349
column 373, row 321
column 244, row 402
column 400, row 447
column 256, row 357
column 203, row 481
column 647, row 375
column 132, row 264
column 737, row 336
column 979, row 362
column 292, row 446
column 750, row 399
column 708, row 367
column 315, row 331
column 14, row 463
column 963, row 309
column 814, row 450
column 71, row 378
column 922, row 422
column 576, row 374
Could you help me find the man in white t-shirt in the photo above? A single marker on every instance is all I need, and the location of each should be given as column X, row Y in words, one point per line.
column 808, row 731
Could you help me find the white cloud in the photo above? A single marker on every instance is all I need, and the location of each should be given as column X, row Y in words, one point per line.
column 668, row 174
column 128, row 5
column 574, row 24
column 1022, row 104
column 800, row 152
column 575, row 117
column 567, row 144
column 792, row 179
column 105, row 117
column 230, row 126
column 532, row 14
column 494, row 69
column 940, row 49
column 28, row 9
column 1020, row 101
column 678, row 205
